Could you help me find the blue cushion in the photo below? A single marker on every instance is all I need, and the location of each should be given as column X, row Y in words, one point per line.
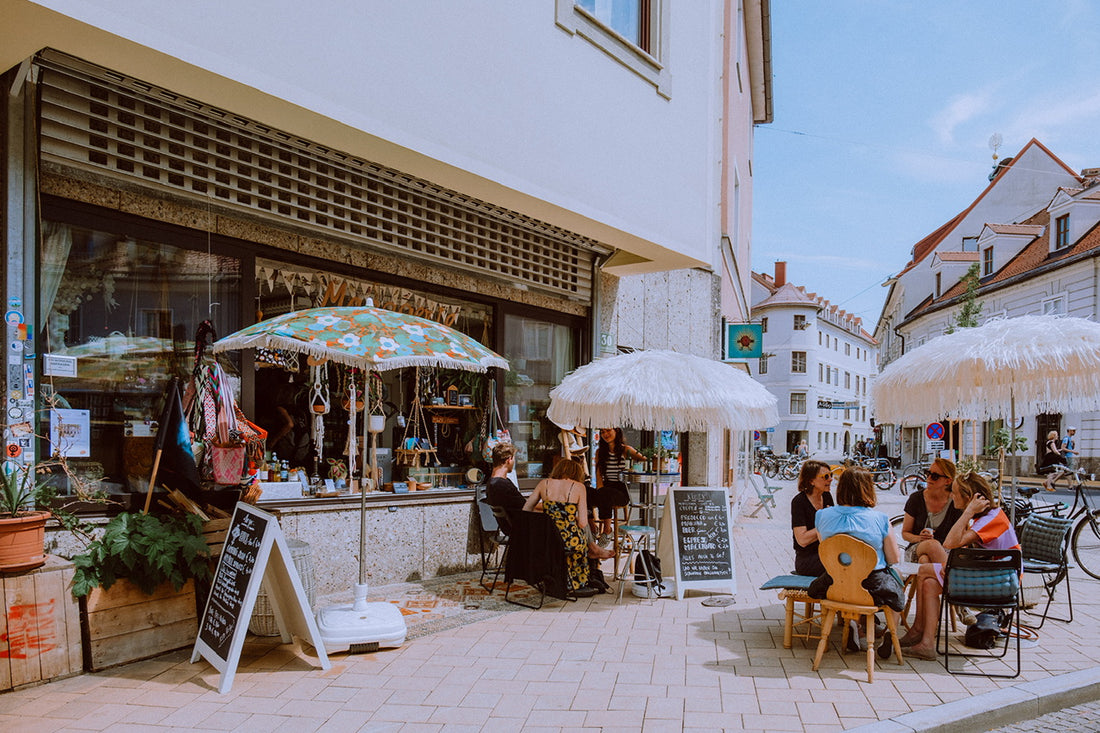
column 789, row 582
column 987, row 585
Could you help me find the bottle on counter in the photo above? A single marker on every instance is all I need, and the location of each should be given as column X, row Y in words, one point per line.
column 284, row 471
column 273, row 468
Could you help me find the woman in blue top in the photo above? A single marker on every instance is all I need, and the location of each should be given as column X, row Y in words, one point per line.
column 854, row 515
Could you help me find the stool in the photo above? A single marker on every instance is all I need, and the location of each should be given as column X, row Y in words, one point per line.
column 792, row 590
column 640, row 538
column 620, row 516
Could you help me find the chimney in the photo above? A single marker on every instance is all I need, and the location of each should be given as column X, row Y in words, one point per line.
column 780, row 274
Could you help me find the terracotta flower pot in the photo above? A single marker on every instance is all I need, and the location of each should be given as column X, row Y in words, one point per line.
column 23, row 542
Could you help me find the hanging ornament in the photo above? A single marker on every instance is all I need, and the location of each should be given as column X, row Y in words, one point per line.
column 319, row 404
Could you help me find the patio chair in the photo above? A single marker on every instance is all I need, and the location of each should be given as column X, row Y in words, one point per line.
column 535, row 554
column 1044, row 541
column 982, row 579
column 849, row 561
column 490, row 540
column 765, row 495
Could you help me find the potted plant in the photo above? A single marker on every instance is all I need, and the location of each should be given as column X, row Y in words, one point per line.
column 136, row 585
column 657, row 457
column 22, row 527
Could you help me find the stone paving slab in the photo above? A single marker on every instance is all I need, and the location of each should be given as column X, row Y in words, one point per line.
column 649, row 665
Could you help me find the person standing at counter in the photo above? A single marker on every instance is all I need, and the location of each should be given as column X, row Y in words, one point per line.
column 611, row 470
column 500, row 491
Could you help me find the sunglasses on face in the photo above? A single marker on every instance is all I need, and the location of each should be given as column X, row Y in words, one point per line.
column 936, row 476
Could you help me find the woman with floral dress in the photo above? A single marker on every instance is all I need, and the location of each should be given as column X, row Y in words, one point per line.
column 563, row 500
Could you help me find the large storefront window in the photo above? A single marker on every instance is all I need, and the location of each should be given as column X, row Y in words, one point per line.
column 120, row 317
column 541, row 354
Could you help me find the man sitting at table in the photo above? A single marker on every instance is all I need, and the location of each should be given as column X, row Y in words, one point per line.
column 500, row 491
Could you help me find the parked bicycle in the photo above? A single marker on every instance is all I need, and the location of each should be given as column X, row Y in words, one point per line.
column 1085, row 539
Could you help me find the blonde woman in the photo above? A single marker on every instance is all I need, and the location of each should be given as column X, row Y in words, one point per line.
column 1053, row 462
column 930, row 514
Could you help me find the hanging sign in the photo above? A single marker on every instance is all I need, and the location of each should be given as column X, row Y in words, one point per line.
column 698, row 519
column 934, row 431
column 744, row 341
column 255, row 552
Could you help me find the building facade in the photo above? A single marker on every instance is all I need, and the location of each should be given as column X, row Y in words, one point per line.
column 179, row 164
column 818, row 362
column 1035, row 252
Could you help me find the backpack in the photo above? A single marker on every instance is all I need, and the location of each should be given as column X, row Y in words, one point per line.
column 647, row 575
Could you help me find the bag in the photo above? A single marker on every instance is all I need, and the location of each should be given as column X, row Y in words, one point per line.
column 984, row 632
column 491, row 441
column 493, row 428
column 227, row 464
column 648, row 582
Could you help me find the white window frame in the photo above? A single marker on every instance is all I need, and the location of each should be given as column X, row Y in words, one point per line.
column 792, row 400
column 798, row 359
column 651, row 66
column 1055, row 306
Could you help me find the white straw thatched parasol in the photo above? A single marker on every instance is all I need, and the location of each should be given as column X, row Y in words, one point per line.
column 1028, row 365
column 661, row 390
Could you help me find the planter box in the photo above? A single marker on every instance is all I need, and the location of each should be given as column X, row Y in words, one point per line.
column 123, row 624
column 40, row 626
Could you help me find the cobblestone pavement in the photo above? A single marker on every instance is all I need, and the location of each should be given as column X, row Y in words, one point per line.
column 1077, row 719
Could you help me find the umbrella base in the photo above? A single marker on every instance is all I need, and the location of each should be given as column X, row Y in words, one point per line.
column 361, row 626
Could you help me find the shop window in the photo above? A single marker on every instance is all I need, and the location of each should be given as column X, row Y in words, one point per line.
column 541, row 353
column 120, row 319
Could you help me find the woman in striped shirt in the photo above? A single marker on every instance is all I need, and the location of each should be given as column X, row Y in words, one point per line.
column 611, row 470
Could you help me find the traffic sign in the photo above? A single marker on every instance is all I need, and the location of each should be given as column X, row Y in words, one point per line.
column 756, row 435
column 934, row 431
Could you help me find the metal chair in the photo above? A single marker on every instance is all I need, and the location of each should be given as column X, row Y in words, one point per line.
column 1044, row 541
column 765, row 495
column 490, row 540
column 849, row 561
column 986, row 580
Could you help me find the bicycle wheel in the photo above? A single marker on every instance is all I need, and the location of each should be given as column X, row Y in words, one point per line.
column 771, row 468
column 884, row 479
column 912, row 482
column 1086, row 544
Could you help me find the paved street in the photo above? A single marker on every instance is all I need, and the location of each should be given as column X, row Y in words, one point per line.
column 660, row 665
column 1077, row 719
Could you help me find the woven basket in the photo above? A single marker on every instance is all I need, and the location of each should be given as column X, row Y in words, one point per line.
column 263, row 616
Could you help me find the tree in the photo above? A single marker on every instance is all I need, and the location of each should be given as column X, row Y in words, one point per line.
column 967, row 317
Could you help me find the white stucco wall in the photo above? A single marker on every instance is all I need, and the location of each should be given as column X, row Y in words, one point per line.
column 459, row 92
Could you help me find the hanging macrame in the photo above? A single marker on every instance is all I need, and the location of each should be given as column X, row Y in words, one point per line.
column 415, row 443
column 319, row 405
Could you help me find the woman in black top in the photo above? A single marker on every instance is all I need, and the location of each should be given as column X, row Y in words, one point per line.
column 814, row 481
column 1053, row 462
column 930, row 514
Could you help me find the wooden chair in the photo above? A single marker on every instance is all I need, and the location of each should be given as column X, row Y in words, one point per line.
column 849, row 561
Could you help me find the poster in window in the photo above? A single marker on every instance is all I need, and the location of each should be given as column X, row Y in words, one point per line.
column 70, row 432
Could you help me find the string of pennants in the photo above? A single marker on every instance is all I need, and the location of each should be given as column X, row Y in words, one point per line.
column 325, row 289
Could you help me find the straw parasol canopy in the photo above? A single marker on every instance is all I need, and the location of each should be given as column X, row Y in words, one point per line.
column 1040, row 363
column 661, row 390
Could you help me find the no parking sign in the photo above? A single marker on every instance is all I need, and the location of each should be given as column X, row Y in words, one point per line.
column 934, row 431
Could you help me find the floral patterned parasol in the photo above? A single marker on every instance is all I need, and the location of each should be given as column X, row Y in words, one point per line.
column 366, row 337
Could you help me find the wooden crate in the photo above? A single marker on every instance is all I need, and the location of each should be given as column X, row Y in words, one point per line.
column 40, row 627
column 123, row 624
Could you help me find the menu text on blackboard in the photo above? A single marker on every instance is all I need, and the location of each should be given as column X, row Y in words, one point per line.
column 702, row 535
column 231, row 582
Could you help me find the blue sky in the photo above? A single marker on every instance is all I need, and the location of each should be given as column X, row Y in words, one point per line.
column 883, row 115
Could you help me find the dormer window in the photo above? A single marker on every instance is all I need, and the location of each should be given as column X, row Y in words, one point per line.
column 1061, row 231
column 987, row 261
column 970, row 244
column 938, row 280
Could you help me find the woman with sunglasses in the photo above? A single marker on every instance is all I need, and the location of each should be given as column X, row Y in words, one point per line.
column 930, row 514
column 814, row 481
column 981, row 523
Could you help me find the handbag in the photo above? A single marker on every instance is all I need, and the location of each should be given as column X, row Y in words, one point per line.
column 227, row 463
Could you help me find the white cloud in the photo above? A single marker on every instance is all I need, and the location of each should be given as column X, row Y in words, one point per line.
column 961, row 109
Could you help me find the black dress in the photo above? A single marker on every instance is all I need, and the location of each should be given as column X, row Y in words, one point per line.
column 806, row 561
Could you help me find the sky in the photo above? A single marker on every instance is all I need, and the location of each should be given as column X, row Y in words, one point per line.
column 883, row 113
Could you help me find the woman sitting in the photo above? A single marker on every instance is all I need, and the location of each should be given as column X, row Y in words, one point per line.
column 563, row 499
column 814, row 481
column 930, row 514
column 611, row 469
column 981, row 523
column 855, row 515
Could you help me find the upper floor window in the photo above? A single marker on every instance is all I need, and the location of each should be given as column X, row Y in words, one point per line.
column 633, row 32
column 938, row 283
column 799, row 322
column 987, row 261
column 798, row 403
column 1055, row 306
column 820, row 372
column 764, row 324
column 1061, row 231
column 970, row 244
column 847, row 349
column 798, row 362
column 763, row 365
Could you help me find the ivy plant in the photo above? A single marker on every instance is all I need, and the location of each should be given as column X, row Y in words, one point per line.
column 147, row 550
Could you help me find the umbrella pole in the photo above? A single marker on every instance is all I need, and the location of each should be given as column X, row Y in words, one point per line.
column 1012, row 500
column 366, row 427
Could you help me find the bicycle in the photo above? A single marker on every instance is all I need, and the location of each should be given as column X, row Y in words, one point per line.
column 1085, row 539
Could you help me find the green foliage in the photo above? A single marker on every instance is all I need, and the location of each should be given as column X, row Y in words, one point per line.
column 967, row 317
column 1002, row 443
column 18, row 491
column 967, row 464
column 145, row 549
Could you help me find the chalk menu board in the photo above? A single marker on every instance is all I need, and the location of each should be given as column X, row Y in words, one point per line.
column 701, row 538
column 255, row 552
column 235, row 573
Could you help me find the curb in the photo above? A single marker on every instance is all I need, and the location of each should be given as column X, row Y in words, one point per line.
column 991, row 710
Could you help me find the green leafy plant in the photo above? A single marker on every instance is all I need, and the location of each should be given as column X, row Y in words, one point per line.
column 967, row 317
column 146, row 549
column 19, row 490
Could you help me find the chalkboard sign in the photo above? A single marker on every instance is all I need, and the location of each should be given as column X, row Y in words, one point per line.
column 255, row 552
column 702, row 543
column 236, row 572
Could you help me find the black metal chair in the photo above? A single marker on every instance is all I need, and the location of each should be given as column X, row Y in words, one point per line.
column 491, row 539
column 535, row 554
column 503, row 523
column 982, row 579
column 1044, row 541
